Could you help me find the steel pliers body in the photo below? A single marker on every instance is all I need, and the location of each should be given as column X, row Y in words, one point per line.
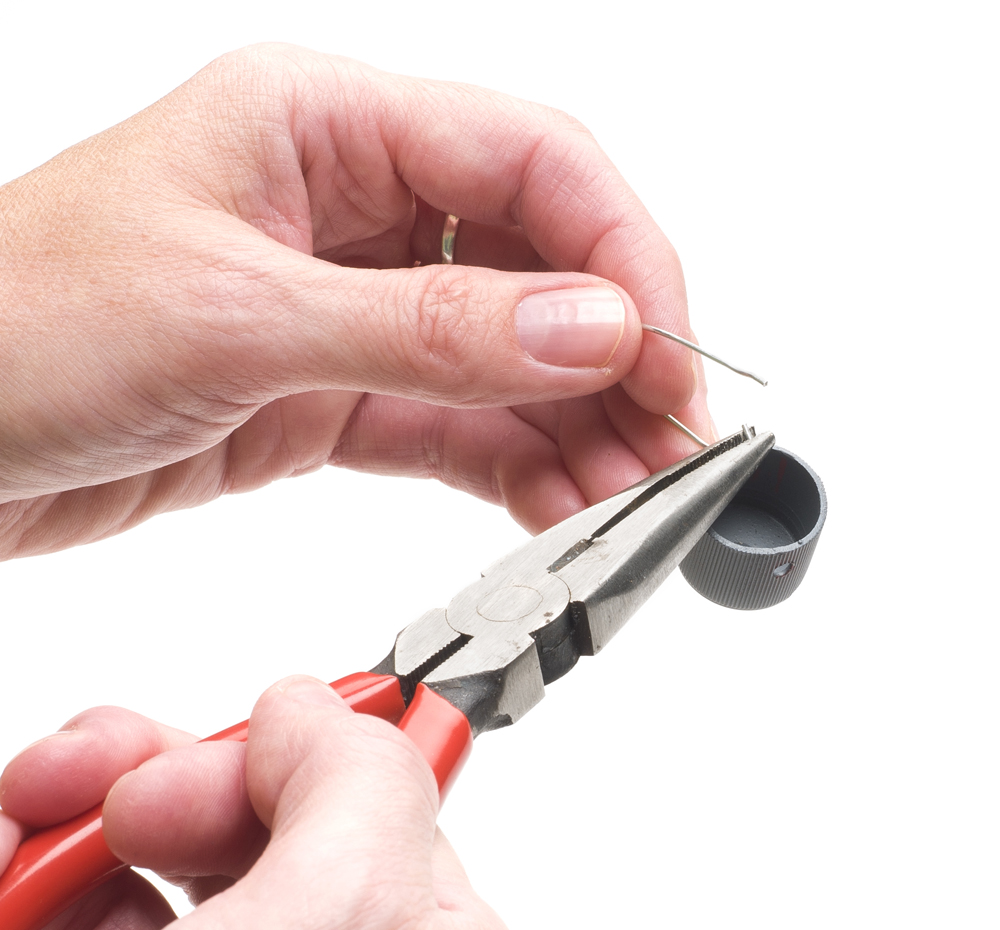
column 478, row 664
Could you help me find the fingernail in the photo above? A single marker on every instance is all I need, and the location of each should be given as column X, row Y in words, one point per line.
column 310, row 692
column 577, row 327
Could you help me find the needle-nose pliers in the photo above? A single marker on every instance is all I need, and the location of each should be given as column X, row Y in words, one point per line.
column 478, row 664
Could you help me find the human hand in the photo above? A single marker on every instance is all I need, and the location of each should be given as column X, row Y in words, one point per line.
column 219, row 292
column 324, row 818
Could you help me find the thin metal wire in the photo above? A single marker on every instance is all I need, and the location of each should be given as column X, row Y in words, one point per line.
column 701, row 351
column 715, row 358
column 687, row 432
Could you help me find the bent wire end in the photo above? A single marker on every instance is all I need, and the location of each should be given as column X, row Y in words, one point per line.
column 649, row 328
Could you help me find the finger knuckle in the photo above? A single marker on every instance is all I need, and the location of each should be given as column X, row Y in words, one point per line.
column 388, row 742
column 276, row 69
column 443, row 337
column 257, row 80
column 561, row 122
column 260, row 59
column 566, row 165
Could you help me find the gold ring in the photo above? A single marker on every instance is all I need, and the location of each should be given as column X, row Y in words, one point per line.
column 448, row 239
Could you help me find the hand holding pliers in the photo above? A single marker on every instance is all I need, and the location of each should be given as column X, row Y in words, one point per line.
column 480, row 663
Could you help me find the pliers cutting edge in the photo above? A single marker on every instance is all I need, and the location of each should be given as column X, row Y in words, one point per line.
column 480, row 663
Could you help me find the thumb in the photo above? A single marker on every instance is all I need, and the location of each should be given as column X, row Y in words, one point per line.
column 351, row 805
column 454, row 335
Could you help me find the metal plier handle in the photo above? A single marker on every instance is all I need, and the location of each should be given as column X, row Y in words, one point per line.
column 479, row 664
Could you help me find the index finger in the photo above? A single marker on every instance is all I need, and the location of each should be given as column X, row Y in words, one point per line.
column 70, row 771
column 502, row 161
column 365, row 142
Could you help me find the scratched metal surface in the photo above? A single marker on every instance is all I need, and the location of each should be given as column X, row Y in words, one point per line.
column 828, row 177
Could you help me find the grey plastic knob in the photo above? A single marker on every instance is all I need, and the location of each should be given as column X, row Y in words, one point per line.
column 757, row 552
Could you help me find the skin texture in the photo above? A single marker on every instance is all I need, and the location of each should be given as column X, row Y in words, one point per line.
column 240, row 284
column 323, row 819
column 220, row 292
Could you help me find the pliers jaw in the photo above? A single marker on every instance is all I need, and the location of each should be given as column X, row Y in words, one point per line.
column 475, row 666
column 566, row 592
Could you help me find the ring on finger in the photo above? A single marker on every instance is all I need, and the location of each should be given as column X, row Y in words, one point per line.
column 448, row 239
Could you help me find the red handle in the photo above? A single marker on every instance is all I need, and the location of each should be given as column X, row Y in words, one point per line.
column 55, row 867
column 442, row 735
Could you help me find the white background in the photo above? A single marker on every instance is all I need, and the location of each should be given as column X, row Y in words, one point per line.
column 828, row 173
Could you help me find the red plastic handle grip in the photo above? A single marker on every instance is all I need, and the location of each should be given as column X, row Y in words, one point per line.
column 55, row 867
column 442, row 735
